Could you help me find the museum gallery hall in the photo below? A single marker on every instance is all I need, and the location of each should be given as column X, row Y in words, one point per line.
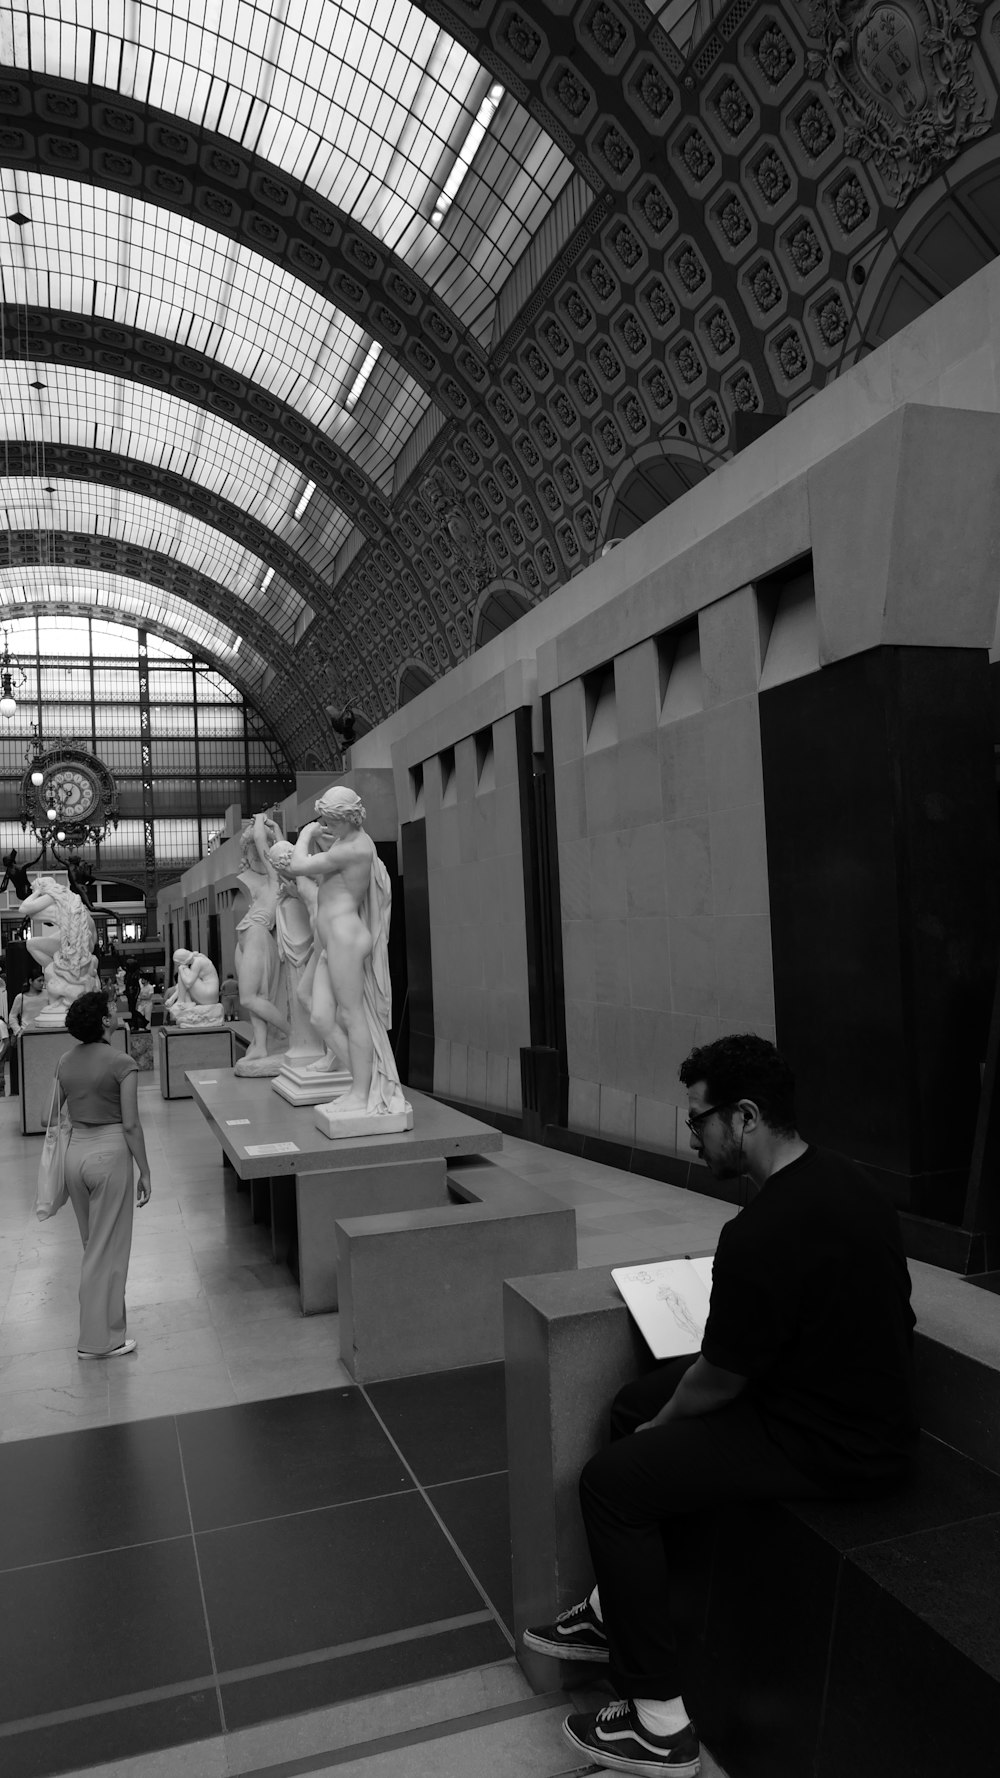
column 499, row 590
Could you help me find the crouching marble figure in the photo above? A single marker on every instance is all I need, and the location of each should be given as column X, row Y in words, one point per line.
column 352, row 931
column 64, row 948
column 193, row 1002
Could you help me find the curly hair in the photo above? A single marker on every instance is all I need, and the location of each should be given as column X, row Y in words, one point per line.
column 745, row 1067
column 85, row 1017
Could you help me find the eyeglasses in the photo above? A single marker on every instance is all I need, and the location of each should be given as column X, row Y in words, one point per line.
column 695, row 1122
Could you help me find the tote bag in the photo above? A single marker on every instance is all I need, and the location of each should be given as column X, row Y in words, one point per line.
column 52, row 1194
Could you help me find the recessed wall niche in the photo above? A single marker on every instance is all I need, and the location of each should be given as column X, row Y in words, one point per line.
column 449, row 787
column 786, row 616
column 486, row 777
column 600, row 707
column 678, row 661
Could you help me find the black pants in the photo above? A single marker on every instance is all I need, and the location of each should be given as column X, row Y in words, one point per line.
column 627, row 1492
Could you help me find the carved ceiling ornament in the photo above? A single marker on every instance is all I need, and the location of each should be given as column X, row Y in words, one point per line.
column 902, row 75
column 452, row 515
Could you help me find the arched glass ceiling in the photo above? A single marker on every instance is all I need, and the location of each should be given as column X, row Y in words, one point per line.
column 149, row 524
column 367, row 102
column 73, row 636
column 113, row 594
column 104, row 254
column 83, row 407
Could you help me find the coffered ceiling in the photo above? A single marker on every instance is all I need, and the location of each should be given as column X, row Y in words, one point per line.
column 323, row 328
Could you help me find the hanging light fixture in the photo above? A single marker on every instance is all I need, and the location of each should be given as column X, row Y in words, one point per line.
column 11, row 681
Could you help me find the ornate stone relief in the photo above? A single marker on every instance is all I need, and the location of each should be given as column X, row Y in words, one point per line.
column 902, row 75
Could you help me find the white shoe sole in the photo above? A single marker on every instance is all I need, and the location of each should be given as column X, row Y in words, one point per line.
column 617, row 1762
column 565, row 1651
column 123, row 1351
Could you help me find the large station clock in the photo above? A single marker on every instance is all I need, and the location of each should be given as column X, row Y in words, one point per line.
column 72, row 789
column 76, row 798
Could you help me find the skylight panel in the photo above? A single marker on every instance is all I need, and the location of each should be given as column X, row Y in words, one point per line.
column 121, row 259
column 330, row 91
column 97, row 510
column 114, row 594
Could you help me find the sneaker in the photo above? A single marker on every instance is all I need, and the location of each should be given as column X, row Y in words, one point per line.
column 121, row 1351
column 576, row 1635
column 616, row 1740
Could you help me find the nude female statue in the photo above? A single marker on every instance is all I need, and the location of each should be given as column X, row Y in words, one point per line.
column 352, row 927
column 257, row 961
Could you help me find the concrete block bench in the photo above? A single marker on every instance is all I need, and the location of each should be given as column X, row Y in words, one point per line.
column 825, row 1639
column 421, row 1290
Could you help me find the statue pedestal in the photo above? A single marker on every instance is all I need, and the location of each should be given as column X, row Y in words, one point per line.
column 39, row 1051
column 259, row 1066
column 355, row 1124
column 197, row 1018
column 302, row 1085
column 180, row 1050
column 51, row 1018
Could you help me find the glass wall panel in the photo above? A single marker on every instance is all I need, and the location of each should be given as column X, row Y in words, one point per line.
column 93, row 697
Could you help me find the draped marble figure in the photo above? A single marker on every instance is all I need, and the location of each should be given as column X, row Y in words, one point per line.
column 352, row 927
column 258, row 965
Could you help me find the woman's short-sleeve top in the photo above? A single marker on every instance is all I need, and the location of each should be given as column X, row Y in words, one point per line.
column 91, row 1078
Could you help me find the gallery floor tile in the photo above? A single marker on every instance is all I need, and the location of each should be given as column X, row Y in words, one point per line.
column 187, row 1575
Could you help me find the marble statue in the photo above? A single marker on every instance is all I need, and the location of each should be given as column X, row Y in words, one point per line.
column 64, row 948
column 352, row 926
column 193, row 1003
column 316, row 1064
column 258, row 965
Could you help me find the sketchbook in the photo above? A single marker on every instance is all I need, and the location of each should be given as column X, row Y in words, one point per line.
column 668, row 1300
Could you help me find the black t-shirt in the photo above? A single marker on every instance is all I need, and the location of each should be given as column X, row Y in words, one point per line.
column 811, row 1302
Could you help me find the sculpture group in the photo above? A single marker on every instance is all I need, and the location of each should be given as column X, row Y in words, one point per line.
column 313, row 967
column 312, row 961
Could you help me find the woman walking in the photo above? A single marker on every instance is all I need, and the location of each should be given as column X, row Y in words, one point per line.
column 100, row 1087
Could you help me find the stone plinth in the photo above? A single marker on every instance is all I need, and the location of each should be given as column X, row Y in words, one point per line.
column 422, row 1290
column 302, row 1085
column 38, row 1052
column 342, row 1126
column 264, row 1138
column 180, row 1050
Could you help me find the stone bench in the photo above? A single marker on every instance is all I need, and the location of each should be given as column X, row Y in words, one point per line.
column 824, row 1638
column 421, row 1290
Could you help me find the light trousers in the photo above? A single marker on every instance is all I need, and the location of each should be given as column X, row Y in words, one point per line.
column 100, row 1181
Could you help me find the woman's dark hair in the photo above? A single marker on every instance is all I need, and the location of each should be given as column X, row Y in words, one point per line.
column 85, row 1018
column 745, row 1067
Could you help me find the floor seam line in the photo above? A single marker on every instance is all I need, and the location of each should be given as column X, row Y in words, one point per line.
column 425, row 1497
column 237, row 1675
column 303, row 1512
column 201, row 1582
column 434, row 1731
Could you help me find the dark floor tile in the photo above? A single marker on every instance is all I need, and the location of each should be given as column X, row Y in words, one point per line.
column 96, row 1489
column 101, row 1626
column 285, row 1587
column 477, row 1514
column 901, row 1702
column 118, row 1735
column 449, row 1425
column 266, row 1459
column 947, row 1487
column 361, row 1675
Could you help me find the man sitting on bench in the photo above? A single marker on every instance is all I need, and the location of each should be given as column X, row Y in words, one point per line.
column 803, row 1388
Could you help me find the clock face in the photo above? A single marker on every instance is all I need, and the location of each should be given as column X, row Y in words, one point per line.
column 71, row 790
